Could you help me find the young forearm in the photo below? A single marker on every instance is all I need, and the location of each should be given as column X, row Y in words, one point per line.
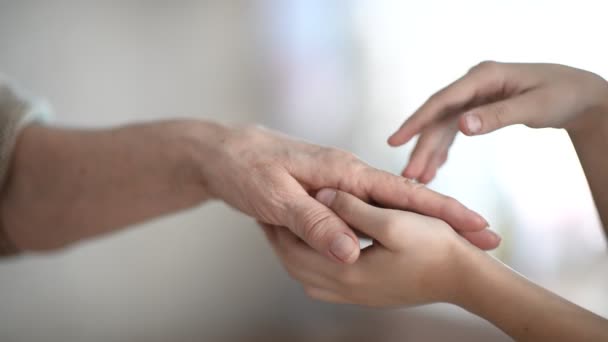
column 523, row 310
column 591, row 145
column 66, row 185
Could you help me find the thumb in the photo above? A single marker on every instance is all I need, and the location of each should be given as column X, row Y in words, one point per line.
column 323, row 230
column 366, row 218
column 490, row 117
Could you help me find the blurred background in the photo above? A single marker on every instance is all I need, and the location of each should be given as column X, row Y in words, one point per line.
column 341, row 73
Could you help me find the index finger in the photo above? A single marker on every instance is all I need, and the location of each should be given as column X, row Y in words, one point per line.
column 396, row 192
column 480, row 81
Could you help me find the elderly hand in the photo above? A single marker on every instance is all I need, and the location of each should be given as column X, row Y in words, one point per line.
column 494, row 95
column 271, row 178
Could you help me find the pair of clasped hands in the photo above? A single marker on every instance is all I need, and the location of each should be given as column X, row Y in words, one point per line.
column 425, row 243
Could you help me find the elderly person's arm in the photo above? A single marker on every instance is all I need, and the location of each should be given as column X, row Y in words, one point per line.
column 65, row 185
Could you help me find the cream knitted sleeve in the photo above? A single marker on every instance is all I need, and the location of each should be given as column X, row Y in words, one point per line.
column 16, row 112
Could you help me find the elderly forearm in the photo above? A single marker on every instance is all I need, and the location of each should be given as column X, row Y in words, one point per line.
column 521, row 309
column 66, row 185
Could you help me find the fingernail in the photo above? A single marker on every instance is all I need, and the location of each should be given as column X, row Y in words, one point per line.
column 473, row 123
column 343, row 247
column 481, row 220
column 326, row 196
column 493, row 233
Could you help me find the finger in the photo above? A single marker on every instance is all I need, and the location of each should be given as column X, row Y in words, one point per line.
column 366, row 218
column 420, row 155
column 439, row 157
column 490, row 117
column 323, row 230
column 485, row 239
column 436, row 138
column 324, row 295
column 396, row 192
column 303, row 263
column 481, row 81
column 429, row 173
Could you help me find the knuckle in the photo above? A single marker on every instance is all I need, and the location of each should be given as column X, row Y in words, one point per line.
column 498, row 114
column 358, row 179
column 314, row 225
column 438, row 99
column 340, row 204
column 436, row 96
column 390, row 228
column 447, row 204
column 492, row 72
column 334, row 156
column 268, row 199
column 413, row 190
column 485, row 66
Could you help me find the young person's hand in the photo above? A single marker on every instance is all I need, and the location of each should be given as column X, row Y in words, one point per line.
column 417, row 260
column 414, row 259
column 494, row 95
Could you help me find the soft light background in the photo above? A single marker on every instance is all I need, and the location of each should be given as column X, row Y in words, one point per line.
column 342, row 73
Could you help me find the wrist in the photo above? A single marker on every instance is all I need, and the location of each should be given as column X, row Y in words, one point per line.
column 467, row 264
column 595, row 118
column 453, row 270
column 202, row 147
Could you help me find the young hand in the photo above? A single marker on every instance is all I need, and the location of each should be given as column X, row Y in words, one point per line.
column 494, row 95
column 415, row 259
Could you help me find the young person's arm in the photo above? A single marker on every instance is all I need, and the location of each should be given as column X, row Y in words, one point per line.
column 418, row 260
column 522, row 309
column 495, row 95
column 591, row 144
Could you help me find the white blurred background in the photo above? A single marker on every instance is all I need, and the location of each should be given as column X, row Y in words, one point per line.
column 342, row 73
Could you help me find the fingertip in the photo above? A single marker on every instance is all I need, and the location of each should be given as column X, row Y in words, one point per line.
column 497, row 239
column 480, row 221
column 345, row 248
column 397, row 139
column 428, row 175
column 474, row 222
column 407, row 173
column 470, row 124
column 492, row 241
column 485, row 239
column 462, row 127
column 352, row 258
column 413, row 170
column 326, row 196
column 390, row 141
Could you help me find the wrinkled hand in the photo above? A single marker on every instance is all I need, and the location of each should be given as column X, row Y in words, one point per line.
column 494, row 95
column 414, row 260
column 271, row 178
